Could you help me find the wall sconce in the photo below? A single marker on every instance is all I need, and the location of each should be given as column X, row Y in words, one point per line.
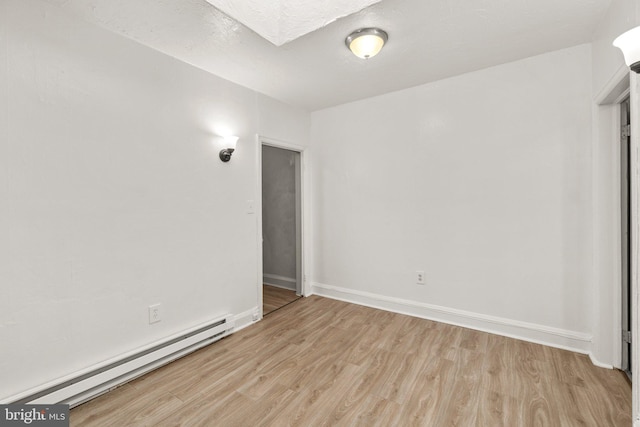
column 366, row 43
column 230, row 142
column 629, row 44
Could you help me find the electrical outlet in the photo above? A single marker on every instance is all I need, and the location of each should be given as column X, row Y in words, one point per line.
column 420, row 277
column 255, row 316
column 155, row 314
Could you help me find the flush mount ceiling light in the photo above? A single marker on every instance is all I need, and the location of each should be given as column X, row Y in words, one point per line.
column 629, row 44
column 365, row 43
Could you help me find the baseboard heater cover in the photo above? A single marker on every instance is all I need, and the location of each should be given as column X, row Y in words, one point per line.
column 98, row 379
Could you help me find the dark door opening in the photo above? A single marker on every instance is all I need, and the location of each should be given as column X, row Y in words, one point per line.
column 281, row 227
column 625, row 198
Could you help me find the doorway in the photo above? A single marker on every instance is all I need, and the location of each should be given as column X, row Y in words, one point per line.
column 281, row 227
column 625, row 221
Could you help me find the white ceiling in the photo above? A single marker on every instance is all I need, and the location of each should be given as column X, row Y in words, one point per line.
column 281, row 21
column 428, row 40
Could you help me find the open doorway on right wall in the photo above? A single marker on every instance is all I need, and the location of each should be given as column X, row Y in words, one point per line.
column 625, row 222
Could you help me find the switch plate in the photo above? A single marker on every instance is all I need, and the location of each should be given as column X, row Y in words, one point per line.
column 251, row 208
column 155, row 313
column 420, row 277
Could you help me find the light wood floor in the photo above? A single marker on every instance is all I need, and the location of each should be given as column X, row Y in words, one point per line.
column 273, row 298
column 325, row 362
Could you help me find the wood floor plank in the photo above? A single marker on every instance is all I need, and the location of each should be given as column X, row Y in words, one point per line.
column 496, row 409
column 375, row 411
column 273, row 298
column 265, row 409
column 433, row 390
column 322, row 362
column 323, row 394
column 404, row 371
column 462, row 406
column 126, row 406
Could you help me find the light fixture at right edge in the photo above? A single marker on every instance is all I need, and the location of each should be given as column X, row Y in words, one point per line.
column 366, row 43
column 629, row 44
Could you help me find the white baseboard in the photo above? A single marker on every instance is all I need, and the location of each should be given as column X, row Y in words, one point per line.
column 554, row 337
column 244, row 319
column 596, row 362
column 279, row 281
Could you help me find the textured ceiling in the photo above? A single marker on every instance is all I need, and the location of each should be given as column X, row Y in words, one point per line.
column 281, row 21
column 428, row 40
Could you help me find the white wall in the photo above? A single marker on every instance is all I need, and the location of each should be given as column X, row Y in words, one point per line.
column 481, row 180
column 112, row 194
column 4, row 87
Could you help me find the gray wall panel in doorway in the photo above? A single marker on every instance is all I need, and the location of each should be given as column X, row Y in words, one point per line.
column 279, row 215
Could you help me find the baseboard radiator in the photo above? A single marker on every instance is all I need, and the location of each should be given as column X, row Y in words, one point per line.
column 99, row 379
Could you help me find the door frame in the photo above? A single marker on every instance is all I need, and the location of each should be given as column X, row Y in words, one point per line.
column 626, row 257
column 301, row 252
column 635, row 233
column 608, row 281
column 607, row 225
